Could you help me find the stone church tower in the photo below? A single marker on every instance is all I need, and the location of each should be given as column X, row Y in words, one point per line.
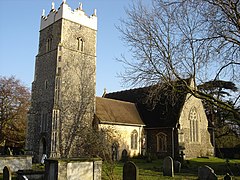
column 63, row 90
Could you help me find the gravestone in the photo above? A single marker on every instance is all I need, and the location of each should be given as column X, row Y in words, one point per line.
column 168, row 166
column 206, row 172
column 182, row 155
column 177, row 166
column 130, row 171
column 227, row 177
column 7, row 173
column 124, row 155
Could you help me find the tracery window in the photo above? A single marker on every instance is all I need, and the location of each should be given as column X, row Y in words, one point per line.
column 161, row 142
column 134, row 139
column 193, row 118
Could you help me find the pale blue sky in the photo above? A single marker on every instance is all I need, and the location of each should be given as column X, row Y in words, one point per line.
column 19, row 33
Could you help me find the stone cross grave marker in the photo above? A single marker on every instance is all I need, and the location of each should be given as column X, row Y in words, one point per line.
column 7, row 173
column 130, row 171
column 168, row 166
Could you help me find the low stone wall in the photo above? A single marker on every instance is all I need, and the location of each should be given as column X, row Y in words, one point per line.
column 16, row 163
column 30, row 174
column 70, row 169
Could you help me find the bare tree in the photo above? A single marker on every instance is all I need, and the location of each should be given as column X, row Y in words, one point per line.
column 14, row 104
column 76, row 105
column 100, row 144
column 173, row 40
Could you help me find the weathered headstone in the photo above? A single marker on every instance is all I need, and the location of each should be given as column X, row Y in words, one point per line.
column 7, row 173
column 124, row 155
column 177, row 166
column 130, row 171
column 206, row 172
column 168, row 166
column 182, row 155
column 227, row 177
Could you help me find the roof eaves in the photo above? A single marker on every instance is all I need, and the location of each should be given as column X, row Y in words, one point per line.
column 118, row 123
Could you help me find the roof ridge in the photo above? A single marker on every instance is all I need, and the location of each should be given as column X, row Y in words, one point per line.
column 121, row 101
column 149, row 86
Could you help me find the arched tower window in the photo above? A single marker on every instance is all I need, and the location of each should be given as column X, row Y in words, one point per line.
column 161, row 142
column 80, row 44
column 134, row 139
column 193, row 119
column 49, row 44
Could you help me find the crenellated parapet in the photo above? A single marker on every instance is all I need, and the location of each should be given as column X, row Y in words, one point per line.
column 65, row 12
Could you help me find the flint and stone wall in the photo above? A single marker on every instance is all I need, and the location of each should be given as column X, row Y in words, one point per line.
column 61, row 73
column 16, row 163
column 203, row 146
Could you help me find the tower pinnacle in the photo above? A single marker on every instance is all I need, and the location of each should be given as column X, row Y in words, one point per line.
column 64, row 11
column 53, row 4
column 95, row 12
column 43, row 12
column 80, row 6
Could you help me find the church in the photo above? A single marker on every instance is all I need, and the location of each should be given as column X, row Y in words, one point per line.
column 64, row 100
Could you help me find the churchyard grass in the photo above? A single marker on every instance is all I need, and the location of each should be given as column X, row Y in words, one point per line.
column 153, row 170
column 14, row 177
column 220, row 166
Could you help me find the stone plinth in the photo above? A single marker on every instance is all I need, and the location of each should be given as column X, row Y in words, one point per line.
column 75, row 168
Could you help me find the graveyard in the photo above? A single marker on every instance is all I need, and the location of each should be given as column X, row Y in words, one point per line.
column 158, row 130
column 154, row 170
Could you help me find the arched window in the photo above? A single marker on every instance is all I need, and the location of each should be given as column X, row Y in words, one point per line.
column 49, row 44
column 80, row 44
column 161, row 142
column 193, row 119
column 134, row 139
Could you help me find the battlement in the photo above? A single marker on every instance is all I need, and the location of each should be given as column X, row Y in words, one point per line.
column 65, row 12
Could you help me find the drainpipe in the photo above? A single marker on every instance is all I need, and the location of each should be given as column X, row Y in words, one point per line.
column 173, row 142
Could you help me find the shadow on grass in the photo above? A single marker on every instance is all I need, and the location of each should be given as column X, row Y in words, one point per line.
column 220, row 166
column 189, row 170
